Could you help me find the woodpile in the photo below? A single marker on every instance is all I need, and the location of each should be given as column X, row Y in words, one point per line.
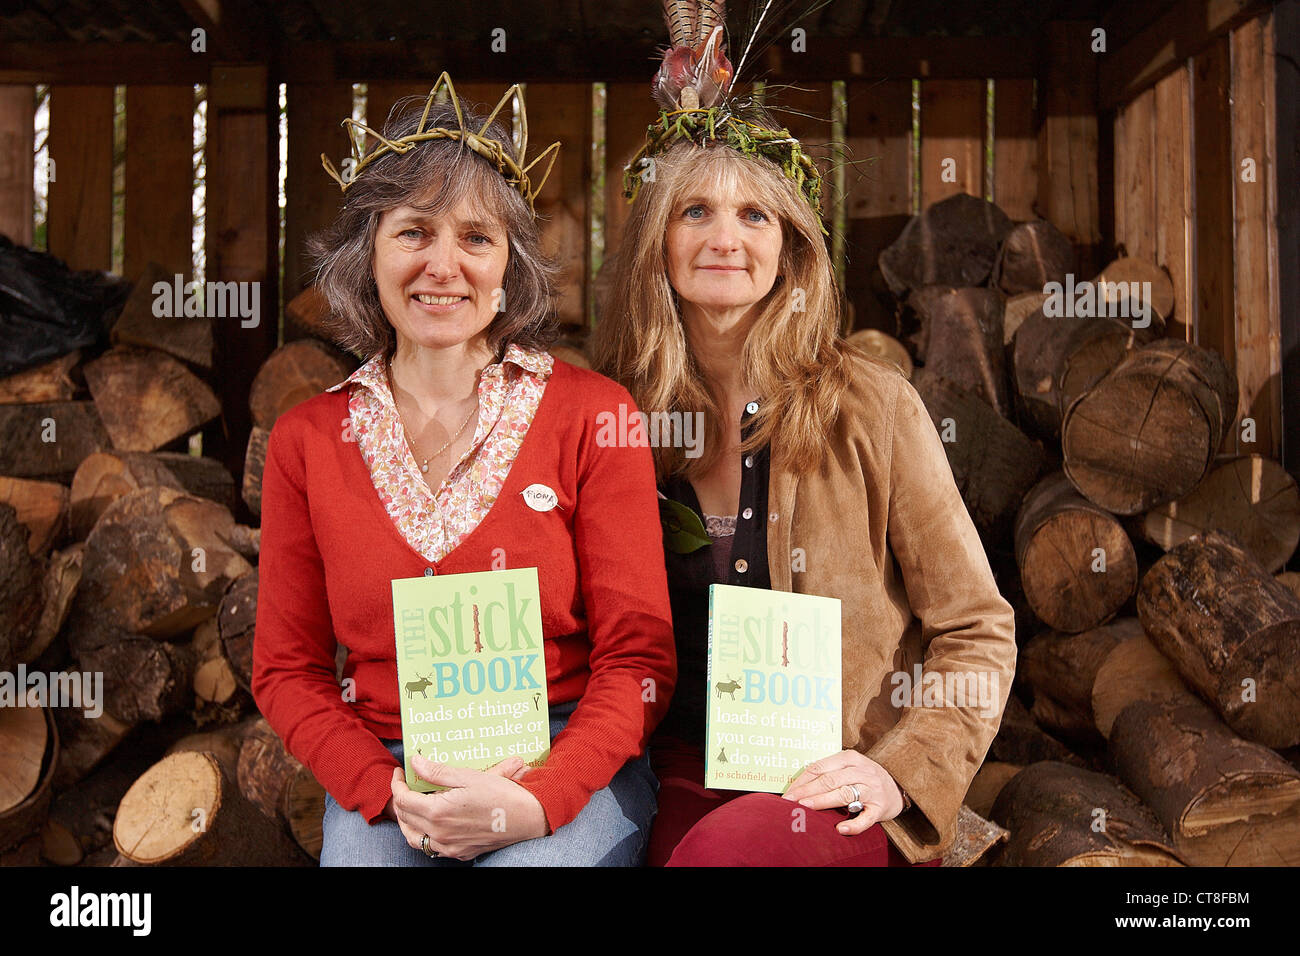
column 1155, row 717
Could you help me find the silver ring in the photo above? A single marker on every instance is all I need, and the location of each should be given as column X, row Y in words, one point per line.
column 424, row 845
column 856, row 805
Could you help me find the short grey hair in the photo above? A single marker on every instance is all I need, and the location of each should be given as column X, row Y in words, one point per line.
column 447, row 171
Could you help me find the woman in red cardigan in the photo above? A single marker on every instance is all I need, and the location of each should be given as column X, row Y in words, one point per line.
column 417, row 464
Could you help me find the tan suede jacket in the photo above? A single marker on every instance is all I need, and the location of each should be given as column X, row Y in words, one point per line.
column 881, row 526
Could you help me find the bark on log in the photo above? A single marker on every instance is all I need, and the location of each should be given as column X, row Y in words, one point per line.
column 50, row 440
column 1252, row 498
column 29, row 752
column 237, row 619
column 1037, row 352
column 1290, row 580
column 1014, row 312
column 81, row 816
column 144, row 679
column 1148, row 432
column 961, row 339
column 952, row 242
column 147, row 399
column 85, row 742
column 107, row 476
column 20, row 590
column 882, row 346
column 1232, row 631
column 1021, row 741
column 293, row 373
column 1062, row 669
column 42, row 506
column 992, row 461
column 1134, row 670
column 50, row 382
column 187, row 811
column 1093, row 349
column 1060, row 815
column 58, row 586
column 1225, row 801
column 281, row 787
column 1058, row 534
column 975, row 838
column 254, row 465
column 187, row 337
column 1032, row 255
column 308, row 314
column 224, row 743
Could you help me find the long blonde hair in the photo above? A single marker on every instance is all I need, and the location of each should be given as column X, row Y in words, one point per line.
column 792, row 357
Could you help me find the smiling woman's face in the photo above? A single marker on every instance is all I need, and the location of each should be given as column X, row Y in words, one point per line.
column 723, row 250
column 440, row 277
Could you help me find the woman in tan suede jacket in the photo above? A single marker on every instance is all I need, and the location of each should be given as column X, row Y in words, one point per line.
column 820, row 472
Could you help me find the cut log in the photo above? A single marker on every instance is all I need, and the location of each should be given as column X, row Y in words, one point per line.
column 29, row 752
column 308, row 314
column 85, row 742
column 187, row 337
column 1253, row 498
column 237, row 618
column 50, row 382
column 1062, row 668
column 81, row 816
column 50, row 440
column 993, row 463
column 1076, row 562
column 157, row 563
column 144, row 679
column 187, row 811
column 58, row 586
column 1121, row 286
column 1060, row 815
column 254, row 464
column 293, row 373
column 1018, row 308
column 1148, row 432
column 877, row 343
column 1133, row 670
column 107, row 476
column 961, row 339
column 952, row 242
column 42, row 506
column 281, row 787
column 1021, row 741
column 20, row 590
column 1225, row 801
column 989, row 780
column 148, row 399
column 1032, row 255
column 1232, row 631
column 1093, row 349
column 1037, row 352
column 975, row 838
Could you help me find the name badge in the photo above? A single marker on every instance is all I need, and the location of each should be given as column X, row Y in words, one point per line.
column 540, row 497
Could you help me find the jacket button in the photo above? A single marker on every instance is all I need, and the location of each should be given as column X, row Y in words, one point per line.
column 742, row 565
column 773, row 516
column 747, row 513
column 749, row 461
column 752, row 408
column 428, row 572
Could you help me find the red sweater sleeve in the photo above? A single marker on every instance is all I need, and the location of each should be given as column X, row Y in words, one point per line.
column 294, row 682
column 619, row 543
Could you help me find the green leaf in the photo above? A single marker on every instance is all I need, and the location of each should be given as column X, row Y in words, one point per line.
column 683, row 528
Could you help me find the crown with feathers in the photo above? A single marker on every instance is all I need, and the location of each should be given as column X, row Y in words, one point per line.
column 693, row 89
column 515, row 173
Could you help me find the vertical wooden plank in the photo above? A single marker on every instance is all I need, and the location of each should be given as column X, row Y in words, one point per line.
column 242, row 229
column 1173, row 196
column 17, row 145
column 311, row 199
column 953, row 123
column 1123, row 156
column 562, row 111
column 380, row 98
column 1282, row 50
column 1015, row 148
column 1258, row 322
column 1136, row 177
column 81, row 190
column 1068, row 187
column 158, row 212
column 879, row 190
column 1212, row 202
column 628, row 111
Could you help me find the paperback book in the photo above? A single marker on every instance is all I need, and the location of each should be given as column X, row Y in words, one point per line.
column 774, row 686
column 471, row 670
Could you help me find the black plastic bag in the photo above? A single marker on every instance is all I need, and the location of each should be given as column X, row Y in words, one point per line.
column 47, row 309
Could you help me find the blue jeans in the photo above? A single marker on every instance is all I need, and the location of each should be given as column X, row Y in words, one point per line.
column 612, row 829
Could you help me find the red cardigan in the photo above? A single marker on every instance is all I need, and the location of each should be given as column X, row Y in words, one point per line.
column 329, row 552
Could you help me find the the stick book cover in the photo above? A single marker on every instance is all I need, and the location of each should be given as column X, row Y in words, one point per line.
column 471, row 669
column 774, row 686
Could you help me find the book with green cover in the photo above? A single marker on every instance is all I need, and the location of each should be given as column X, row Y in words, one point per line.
column 471, row 670
column 774, row 686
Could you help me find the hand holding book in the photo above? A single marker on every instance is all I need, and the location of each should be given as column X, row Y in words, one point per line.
column 830, row 783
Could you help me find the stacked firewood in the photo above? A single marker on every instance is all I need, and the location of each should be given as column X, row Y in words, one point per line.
column 1155, row 718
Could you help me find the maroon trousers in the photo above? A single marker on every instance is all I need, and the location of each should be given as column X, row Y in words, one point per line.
column 696, row 826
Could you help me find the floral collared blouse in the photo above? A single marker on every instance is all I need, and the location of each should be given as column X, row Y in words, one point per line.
column 435, row 523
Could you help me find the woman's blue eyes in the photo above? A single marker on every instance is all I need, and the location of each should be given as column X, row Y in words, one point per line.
column 753, row 215
column 475, row 238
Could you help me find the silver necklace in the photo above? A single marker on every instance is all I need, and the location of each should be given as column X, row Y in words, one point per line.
column 424, row 464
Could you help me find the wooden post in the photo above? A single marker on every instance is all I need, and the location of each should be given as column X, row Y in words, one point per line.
column 81, row 190
column 1173, row 195
column 1285, row 78
column 17, row 134
column 629, row 110
column 1015, row 150
column 953, row 124
column 159, row 179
